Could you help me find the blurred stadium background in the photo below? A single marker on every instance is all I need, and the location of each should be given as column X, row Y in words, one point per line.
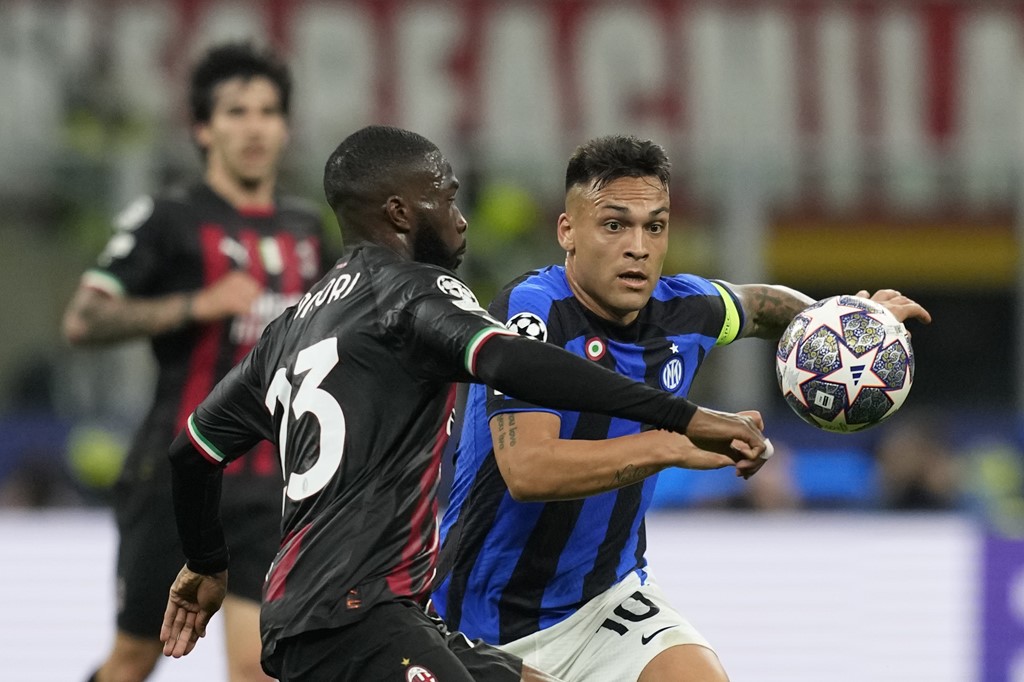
column 831, row 145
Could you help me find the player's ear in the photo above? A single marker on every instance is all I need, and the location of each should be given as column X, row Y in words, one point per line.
column 565, row 233
column 397, row 211
column 201, row 134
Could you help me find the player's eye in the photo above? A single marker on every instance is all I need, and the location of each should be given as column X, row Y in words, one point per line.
column 656, row 228
column 613, row 225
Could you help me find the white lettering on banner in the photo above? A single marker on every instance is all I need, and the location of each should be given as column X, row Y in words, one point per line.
column 621, row 64
column 992, row 99
column 335, row 54
column 521, row 118
column 231, row 20
column 429, row 93
column 817, row 91
column 842, row 155
column 138, row 69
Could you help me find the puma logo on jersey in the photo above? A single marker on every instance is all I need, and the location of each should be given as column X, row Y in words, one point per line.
column 233, row 249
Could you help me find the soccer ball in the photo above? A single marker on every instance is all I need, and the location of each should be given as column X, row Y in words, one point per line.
column 845, row 364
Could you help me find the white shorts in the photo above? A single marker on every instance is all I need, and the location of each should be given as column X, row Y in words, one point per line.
column 613, row 637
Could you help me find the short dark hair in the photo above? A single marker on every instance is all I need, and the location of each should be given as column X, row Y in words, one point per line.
column 608, row 158
column 370, row 158
column 233, row 60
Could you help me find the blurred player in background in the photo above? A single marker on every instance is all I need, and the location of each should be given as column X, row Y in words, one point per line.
column 202, row 271
column 355, row 386
column 543, row 542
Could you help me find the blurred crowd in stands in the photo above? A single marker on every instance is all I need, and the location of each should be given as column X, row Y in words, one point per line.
column 56, row 452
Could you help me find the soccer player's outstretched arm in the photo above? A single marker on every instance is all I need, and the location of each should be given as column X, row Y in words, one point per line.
column 770, row 308
column 547, row 375
column 540, row 466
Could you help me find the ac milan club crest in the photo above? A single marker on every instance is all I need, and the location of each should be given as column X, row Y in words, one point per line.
column 417, row 673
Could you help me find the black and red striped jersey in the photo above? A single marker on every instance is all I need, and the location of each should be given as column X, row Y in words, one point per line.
column 354, row 384
column 184, row 241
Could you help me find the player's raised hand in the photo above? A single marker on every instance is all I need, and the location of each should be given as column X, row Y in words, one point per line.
column 902, row 307
column 232, row 294
column 193, row 600
column 737, row 435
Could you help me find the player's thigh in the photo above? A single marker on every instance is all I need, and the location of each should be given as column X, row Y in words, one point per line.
column 242, row 639
column 635, row 626
column 252, row 528
column 685, row 663
column 149, row 555
column 394, row 641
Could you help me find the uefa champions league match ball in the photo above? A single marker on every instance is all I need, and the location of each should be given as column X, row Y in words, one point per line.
column 845, row 364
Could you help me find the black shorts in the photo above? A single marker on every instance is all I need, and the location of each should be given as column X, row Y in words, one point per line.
column 149, row 554
column 394, row 642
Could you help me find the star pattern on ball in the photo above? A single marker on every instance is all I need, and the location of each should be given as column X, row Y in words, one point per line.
column 835, row 320
column 791, row 369
column 855, row 372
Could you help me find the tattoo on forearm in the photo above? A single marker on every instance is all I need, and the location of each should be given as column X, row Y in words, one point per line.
column 109, row 321
column 630, row 474
column 772, row 311
column 511, row 430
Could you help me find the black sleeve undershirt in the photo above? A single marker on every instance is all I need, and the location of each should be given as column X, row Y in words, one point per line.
column 544, row 374
column 197, row 485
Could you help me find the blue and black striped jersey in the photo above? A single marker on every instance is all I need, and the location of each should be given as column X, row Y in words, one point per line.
column 509, row 569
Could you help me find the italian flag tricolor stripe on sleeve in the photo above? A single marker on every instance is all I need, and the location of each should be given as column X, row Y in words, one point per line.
column 477, row 341
column 205, row 447
column 103, row 281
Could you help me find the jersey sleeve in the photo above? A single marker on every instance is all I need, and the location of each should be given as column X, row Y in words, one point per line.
column 526, row 311
column 436, row 314
column 234, row 417
column 131, row 262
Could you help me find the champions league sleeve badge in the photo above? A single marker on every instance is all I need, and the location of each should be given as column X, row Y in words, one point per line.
column 528, row 325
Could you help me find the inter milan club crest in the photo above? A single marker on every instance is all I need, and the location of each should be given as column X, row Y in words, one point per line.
column 416, row 673
column 672, row 374
column 595, row 348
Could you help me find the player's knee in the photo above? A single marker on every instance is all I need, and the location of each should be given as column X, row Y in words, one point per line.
column 247, row 671
column 685, row 663
column 132, row 667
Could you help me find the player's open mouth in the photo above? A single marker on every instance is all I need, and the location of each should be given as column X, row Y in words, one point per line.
column 633, row 278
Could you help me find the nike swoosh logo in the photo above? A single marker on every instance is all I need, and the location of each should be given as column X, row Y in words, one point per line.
column 647, row 638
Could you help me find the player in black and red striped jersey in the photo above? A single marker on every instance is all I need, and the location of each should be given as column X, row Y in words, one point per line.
column 354, row 384
column 202, row 270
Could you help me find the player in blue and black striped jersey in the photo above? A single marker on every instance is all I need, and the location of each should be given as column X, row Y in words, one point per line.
column 543, row 542
column 354, row 385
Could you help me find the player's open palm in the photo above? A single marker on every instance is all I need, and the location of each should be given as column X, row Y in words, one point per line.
column 902, row 307
column 193, row 600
